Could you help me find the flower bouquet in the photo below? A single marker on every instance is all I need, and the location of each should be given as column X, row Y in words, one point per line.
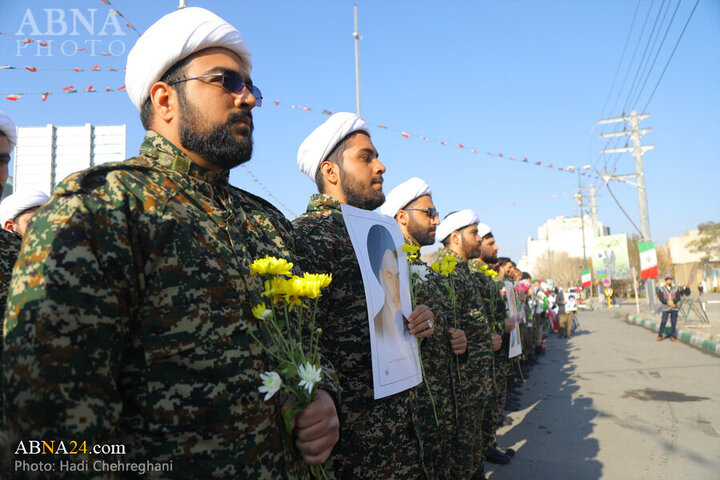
column 289, row 337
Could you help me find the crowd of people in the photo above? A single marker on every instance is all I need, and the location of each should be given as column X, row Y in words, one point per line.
column 129, row 306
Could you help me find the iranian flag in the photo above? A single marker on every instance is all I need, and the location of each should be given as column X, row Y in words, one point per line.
column 648, row 260
column 586, row 280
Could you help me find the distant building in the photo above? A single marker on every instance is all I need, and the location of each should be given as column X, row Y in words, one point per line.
column 561, row 234
column 686, row 266
column 46, row 155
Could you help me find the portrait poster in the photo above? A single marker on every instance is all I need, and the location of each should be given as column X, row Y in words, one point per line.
column 515, row 344
column 378, row 242
column 610, row 257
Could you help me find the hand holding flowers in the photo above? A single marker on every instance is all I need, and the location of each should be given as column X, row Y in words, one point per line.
column 292, row 341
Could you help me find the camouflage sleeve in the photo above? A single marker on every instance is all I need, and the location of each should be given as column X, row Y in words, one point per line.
column 9, row 248
column 66, row 322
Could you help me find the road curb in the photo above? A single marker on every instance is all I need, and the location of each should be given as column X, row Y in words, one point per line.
column 686, row 337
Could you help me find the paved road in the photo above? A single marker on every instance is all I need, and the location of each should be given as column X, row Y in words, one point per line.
column 613, row 403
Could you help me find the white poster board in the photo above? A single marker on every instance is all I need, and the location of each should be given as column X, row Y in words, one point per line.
column 515, row 344
column 378, row 242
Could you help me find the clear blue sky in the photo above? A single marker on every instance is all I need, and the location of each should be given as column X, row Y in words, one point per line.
column 525, row 78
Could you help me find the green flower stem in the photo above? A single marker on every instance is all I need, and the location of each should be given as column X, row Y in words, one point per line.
column 427, row 385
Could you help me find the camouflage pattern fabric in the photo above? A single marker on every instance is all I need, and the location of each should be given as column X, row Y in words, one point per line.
column 9, row 249
column 128, row 315
column 439, row 365
column 489, row 288
column 475, row 384
column 493, row 413
column 378, row 438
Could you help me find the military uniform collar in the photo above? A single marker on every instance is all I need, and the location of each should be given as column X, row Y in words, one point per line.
column 163, row 153
column 322, row 203
column 444, row 252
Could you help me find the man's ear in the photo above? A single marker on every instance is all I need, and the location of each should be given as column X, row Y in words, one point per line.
column 403, row 218
column 330, row 172
column 455, row 237
column 164, row 100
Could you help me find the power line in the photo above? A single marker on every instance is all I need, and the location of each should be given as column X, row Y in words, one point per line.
column 642, row 31
column 622, row 209
column 657, row 54
column 645, row 54
column 671, row 55
column 622, row 57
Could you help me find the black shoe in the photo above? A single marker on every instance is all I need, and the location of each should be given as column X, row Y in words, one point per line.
column 510, row 452
column 479, row 475
column 513, row 407
column 492, row 455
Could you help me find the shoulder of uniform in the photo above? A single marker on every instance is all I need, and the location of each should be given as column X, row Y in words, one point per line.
column 96, row 177
column 259, row 202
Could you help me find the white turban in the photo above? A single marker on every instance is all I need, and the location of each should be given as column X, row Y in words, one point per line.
column 483, row 229
column 403, row 194
column 20, row 201
column 175, row 36
column 318, row 145
column 7, row 126
column 455, row 221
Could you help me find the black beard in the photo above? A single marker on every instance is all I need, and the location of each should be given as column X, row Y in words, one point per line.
column 355, row 198
column 489, row 260
column 420, row 235
column 216, row 145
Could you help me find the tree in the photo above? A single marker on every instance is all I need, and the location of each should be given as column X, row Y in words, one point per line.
column 708, row 243
column 560, row 267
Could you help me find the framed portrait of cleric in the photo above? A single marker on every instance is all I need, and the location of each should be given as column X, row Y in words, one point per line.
column 377, row 242
column 515, row 344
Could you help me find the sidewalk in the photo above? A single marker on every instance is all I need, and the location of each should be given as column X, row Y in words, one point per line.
column 693, row 331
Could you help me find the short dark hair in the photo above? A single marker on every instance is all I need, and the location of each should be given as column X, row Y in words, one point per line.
column 173, row 74
column 335, row 156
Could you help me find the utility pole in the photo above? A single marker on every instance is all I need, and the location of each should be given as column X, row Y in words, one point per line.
column 357, row 38
column 637, row 150
column 593, row 206
column 579, row 198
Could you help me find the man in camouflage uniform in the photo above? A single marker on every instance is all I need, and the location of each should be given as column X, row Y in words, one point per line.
column 411, row 204
column 128, row 314
column 485, row 255
column 9, row 248
column 379, row 437
column 459, row 235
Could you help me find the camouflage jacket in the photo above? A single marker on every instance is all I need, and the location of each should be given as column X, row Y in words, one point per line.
column 9, row 248
column 475, row 325
column 378, row 438
column 496, row 307
column 128, row 315
column 439, row 365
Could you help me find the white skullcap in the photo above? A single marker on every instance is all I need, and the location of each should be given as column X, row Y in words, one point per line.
column 455, row 221
column 483, row 229
column 318, row 145
column 403, row 194
column 20, row 201
column 7, row 126
column 175, row 36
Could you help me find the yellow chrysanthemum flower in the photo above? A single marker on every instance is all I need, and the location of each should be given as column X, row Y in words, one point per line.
column 259, row 310
column 411, row 250
column 271, row 266
column 447, row 265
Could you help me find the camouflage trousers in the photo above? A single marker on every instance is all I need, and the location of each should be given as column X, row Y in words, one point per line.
column 494, row 411
column 467, row 451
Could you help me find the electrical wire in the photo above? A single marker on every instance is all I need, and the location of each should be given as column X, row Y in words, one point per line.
column 623, row 210
column 657, row 54
column 671, row 56
column 645, row 54
column 642, row 31
column 622, row 57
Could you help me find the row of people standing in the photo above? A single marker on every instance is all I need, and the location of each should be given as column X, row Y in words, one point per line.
column 130, row 300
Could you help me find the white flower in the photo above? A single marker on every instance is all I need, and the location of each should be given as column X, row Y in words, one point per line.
column 420, row 270
column 271, row 384
column 309, row 376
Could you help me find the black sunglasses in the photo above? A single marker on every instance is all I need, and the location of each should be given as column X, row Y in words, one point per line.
column 232, row 82
column 431, row 212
